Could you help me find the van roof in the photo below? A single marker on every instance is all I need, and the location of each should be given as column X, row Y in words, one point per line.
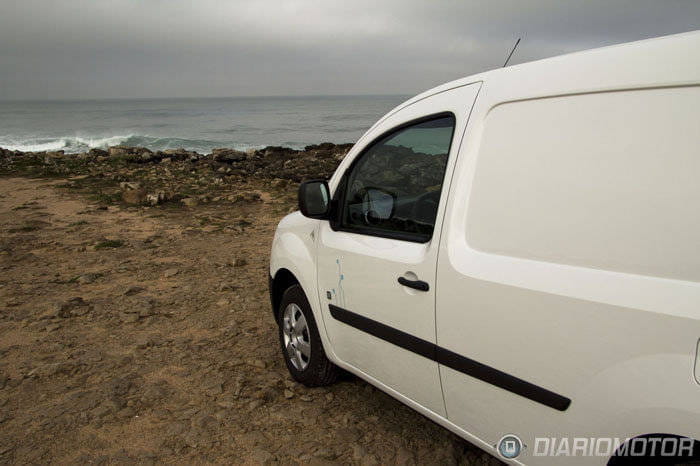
column 658, row 62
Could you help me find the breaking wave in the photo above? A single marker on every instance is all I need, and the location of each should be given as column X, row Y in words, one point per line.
column 76, row 144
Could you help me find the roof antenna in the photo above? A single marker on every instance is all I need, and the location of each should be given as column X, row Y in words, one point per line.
column 511, row 52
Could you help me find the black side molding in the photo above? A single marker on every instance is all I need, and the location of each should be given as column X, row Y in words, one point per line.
column 452, row 360
column 384, row 332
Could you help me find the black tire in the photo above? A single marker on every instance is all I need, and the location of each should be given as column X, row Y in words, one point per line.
column 319, row 371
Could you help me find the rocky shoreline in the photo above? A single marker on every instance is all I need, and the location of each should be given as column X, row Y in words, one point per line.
column 139, row 176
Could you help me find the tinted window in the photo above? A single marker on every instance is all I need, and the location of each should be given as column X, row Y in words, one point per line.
column 393, row 189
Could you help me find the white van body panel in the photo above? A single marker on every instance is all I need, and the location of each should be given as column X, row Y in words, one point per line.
column 596, row 301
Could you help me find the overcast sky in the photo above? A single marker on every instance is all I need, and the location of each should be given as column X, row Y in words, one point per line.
column 189, row 48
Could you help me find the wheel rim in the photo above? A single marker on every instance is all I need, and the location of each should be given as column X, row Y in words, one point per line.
column 297, row 343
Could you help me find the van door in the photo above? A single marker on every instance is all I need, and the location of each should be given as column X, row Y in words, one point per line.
column 568, row 275
column 376, row 262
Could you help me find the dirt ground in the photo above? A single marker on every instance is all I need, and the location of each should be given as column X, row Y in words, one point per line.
column 133, row 335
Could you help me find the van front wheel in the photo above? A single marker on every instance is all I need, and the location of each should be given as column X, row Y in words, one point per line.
column 301, row 343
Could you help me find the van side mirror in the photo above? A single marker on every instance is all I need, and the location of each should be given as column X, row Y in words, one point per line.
column 314, row 199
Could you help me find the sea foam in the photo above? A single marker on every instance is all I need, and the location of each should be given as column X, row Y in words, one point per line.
column 68, row 144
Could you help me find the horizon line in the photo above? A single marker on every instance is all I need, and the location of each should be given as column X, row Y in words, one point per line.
column 270, row 96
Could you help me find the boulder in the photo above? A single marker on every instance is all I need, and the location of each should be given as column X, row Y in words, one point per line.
column 178, row 154
column 134, row 152
column 272, row 151
column 133, row 193
column 118, row 150
column 97, row 153
column 228, row 155
column 189, row 202
column 156, row 198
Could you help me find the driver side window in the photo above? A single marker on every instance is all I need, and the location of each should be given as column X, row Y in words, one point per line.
column 393, row 188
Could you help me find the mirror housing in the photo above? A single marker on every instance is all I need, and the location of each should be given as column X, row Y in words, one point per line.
column 315, row 199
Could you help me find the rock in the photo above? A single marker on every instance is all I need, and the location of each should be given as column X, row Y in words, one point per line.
column 122, row 151
column 288, row 394
column 255, row 404
column 259, row 363
column 4, row 416
column 325, row 453
column 306, row 398
column 143, row 306
column 102, row 411
column 192, row 438
column 88, row 278
column 55, row 154
column 213, row 385
column 205, row 421
column 52, row 327
column 189, row 202
column 91, row 357
column 175, row 428
column 228, row 155
column 156, row 198
column 180, row 154
column 51, row 369
column 155, row 393
column 279, row 183
column 97, row 153
column 358, row 452
column 260, row 456
column 143, row 341
column 404, row 457
column 129, row 317
column 169, row 273
column 75, row 306
column 245, row 197
column 239, row 262
column 126, row 413
column 132, row 290
column 117, row 151
column 133, row 194
column 323, row 146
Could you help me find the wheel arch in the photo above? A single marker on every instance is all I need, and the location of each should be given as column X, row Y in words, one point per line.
column 282, row 280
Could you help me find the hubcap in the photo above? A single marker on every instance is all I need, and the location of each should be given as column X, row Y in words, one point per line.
column 297, row 343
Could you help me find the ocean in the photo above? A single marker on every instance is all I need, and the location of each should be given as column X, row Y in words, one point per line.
column 199, row 124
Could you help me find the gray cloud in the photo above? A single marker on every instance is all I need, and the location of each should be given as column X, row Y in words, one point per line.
column 163, row 48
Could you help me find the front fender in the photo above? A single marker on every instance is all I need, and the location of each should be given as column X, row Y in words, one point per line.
column 294, row 249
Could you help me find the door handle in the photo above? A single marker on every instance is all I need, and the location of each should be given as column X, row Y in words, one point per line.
column 419, row 285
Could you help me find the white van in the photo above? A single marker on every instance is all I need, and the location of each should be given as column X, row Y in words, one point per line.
column 516, row 255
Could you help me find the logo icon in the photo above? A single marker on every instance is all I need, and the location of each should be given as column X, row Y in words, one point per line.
column 509, row 446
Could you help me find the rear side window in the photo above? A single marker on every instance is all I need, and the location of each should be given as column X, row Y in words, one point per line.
column 393, row 188
column 607, row 180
